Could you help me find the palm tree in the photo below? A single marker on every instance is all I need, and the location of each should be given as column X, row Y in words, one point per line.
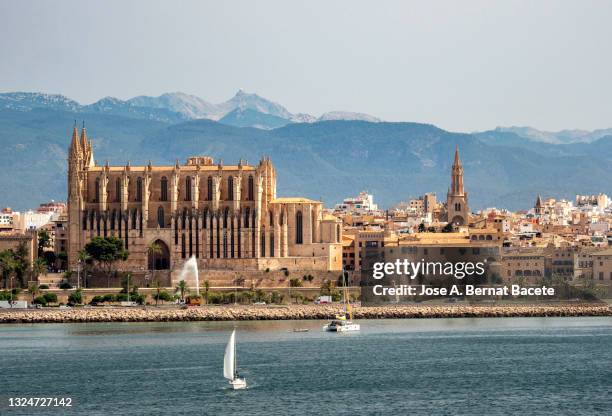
column 83, row 259
column 33, row 289
column 206, row 287
column 154, row 249
column 39, row 267
column 182, row 288
column 7, row 265
column 158, row 289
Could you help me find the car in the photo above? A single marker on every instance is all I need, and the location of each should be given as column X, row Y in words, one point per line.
column 259, row 303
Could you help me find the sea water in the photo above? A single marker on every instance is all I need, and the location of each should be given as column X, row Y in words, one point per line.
column 496, row 366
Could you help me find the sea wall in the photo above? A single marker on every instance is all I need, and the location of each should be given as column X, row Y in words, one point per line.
column 244, row 313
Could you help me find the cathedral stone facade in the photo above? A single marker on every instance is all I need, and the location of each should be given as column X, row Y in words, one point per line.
column 226, row 216
column 457, row 199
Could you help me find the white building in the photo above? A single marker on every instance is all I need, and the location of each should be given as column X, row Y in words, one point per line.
column 362, row 204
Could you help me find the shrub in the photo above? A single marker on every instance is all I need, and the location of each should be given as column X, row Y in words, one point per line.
column 43, row 287
column 40, row 300
column 65, row 285
column 109, row 297
column 121, row 297
column 75, row 297
column 50, row 297
column 97, row 299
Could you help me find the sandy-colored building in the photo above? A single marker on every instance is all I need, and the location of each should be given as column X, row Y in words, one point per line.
column 226, row 216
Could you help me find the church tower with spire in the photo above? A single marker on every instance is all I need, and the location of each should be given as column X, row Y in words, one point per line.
column 80, row 157
column 457, row 207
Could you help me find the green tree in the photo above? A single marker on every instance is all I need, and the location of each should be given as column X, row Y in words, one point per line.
column 21, row 256
column 157, row 287
column 182, row 288
column 39, row 267
column 106, row 251
column 422, row 227
column 44, row 241
column 163, row 296
column 7, row 265
column 76, row 297
column 206, row 289
column 327, row 287
column 33, row 289
column 448, row 228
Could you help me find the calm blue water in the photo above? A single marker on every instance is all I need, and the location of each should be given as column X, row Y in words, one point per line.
column 522, row 366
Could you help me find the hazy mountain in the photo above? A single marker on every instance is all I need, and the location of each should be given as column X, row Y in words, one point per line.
column 246, row 117
column 243, row 109
column 346, row 115
column 326, row 160
column 26, row 101
column 189, row 106
column 559, row 137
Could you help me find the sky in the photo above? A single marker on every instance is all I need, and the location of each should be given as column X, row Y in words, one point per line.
column 461, row 65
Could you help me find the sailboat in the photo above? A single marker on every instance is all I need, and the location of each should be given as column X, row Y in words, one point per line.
column 341, row 323
column 230, row 369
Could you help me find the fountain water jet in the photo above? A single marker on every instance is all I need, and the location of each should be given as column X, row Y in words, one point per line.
column 191, row 267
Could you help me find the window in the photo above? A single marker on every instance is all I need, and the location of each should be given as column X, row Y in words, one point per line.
column 188, row 188
column 271, row 219
column 134, row 219
column 160, row 217
column 118, row 190
column 225, row 217
column 139, row 189
column 246, row 217
column 230, row 188
column 601, row 276
column 209, row 184
column 298, row 227
column 164, row 189
column 97, row 190
column 251, row 191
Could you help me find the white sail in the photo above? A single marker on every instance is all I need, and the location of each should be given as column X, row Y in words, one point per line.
column 229, row 360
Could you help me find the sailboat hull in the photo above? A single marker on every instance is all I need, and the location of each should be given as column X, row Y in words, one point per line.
column 238, row 384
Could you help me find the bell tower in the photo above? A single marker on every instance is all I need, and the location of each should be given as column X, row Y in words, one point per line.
column 457, row 199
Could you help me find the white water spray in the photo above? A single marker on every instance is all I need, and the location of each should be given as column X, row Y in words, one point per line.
column 191, row 269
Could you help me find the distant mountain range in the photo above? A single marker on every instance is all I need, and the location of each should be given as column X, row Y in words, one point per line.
column 329, row 158
column 242, row 110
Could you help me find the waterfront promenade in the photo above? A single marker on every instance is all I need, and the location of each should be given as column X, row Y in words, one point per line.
column 292, row 312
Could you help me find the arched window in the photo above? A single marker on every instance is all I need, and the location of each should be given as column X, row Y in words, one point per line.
column 113, row 219
column 247, row 214
column 338, row 233
column 205, row 218
column 251, row 190
column 118, row 190
column 230, row 188
column 97, row 190
column 282, row 218
column 209, row 184
column 225, row 217
column 271, row 219
column 188, row 188
column 262, row 243
column 139, row 189
column 134, row 218
column 184, row 218
column 298, row 227
column 160, row 217
column 164, row 189
column 271, row 244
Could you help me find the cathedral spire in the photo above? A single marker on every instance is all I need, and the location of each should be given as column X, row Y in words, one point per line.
column 457, row 162
column 84, row 142
column 75, row 148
